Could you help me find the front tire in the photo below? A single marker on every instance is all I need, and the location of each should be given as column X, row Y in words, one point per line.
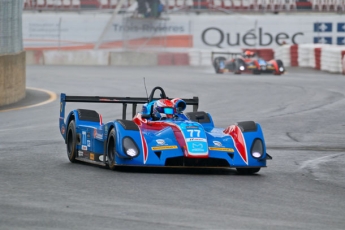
column 216, row 64
column 279, row 64
column 71, row 142
column 111, row 144
column 247, row 171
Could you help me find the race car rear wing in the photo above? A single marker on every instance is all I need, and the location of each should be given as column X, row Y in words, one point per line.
column 120, row 100
column 228, row 54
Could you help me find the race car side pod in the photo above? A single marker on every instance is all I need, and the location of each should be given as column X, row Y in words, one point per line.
column 119, row 100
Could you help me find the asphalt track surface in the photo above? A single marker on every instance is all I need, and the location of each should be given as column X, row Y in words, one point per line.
column 302, row 115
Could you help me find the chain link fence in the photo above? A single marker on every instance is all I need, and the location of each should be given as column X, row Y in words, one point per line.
column 11, row 39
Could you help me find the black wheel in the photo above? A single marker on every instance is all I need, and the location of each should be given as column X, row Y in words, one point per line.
column 280, row 65
column 71, row 142
column 239, row 66
column 247, row 171
column 111, row 143
column 217, row 62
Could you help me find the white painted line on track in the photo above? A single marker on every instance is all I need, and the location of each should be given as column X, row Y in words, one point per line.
column 51, row 99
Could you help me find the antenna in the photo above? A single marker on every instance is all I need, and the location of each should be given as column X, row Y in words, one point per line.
column 146, row 90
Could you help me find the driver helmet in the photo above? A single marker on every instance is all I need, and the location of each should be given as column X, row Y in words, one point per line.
column 163, row 108
column 249, row 53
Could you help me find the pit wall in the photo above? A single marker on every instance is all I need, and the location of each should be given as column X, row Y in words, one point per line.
column 328, row 58
column 12, row 78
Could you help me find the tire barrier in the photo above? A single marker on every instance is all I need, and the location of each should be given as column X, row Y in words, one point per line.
column 132, row 59
column 12, row 78
column 283, row 53
column 81, row 57
column 165, row 59
column 318, row 56
column 180, row 59
column 294, row 55
column 34, row 57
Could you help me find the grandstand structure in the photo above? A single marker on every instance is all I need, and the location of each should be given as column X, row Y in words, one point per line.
column 198, row 6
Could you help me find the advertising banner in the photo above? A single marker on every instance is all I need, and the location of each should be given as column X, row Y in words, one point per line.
column 83, row 31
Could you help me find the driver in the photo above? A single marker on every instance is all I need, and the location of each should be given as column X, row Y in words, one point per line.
column 163, row 109
column 248, row 54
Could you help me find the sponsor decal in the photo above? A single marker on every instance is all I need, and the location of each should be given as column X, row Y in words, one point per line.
column 63, row 130
column 80, row 153
column 92, row 156
column 192, row 127
column 217, row 143
column 88, row 143
column 198, row 147
column 323, row 27
column 88, row 136
column 86, row 154
column 98, row 134
column 160, row 141
column 250, row 38
column 83, row 140
column 341, row 27
column 325, row 32
column 148, row 27
column 230, row 150
column 166, row 147
column 340, row 40
column 106, row 128
column 101, row 158
column 323, row 40
column 196, row 139
column 84, row 147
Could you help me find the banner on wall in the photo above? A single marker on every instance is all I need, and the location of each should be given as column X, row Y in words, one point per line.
column 83, row 31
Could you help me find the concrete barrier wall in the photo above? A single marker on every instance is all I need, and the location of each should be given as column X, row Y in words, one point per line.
column 12, row 78
column 80, row 57
column 128, row 58
column 34, row 57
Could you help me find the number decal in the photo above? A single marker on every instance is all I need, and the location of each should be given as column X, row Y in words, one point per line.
column 191, row 131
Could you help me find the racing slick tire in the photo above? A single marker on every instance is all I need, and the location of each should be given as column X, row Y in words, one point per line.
column 216, row 64
column 111, row 143
column 279, row 64
column 238, row 64
column 247, row 171
column 71, row 142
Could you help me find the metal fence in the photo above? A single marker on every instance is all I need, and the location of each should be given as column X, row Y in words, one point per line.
column 11, row 39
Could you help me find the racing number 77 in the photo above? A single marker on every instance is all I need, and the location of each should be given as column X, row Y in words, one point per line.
column 191, row 131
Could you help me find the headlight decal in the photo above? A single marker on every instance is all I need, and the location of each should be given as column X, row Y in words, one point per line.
column 257, row 149
column 130, row 148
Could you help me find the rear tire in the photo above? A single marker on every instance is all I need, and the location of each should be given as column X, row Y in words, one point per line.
column 247, row 171
column 279, row 64
column 71, row 142
column 111, row 143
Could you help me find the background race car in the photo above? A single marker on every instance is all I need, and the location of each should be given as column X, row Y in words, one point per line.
column 247, row 61
column 160, row 135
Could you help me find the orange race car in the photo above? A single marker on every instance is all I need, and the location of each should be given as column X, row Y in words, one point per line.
column 247, row 61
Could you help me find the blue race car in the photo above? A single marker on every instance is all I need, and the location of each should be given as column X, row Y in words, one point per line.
column 160, row 135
